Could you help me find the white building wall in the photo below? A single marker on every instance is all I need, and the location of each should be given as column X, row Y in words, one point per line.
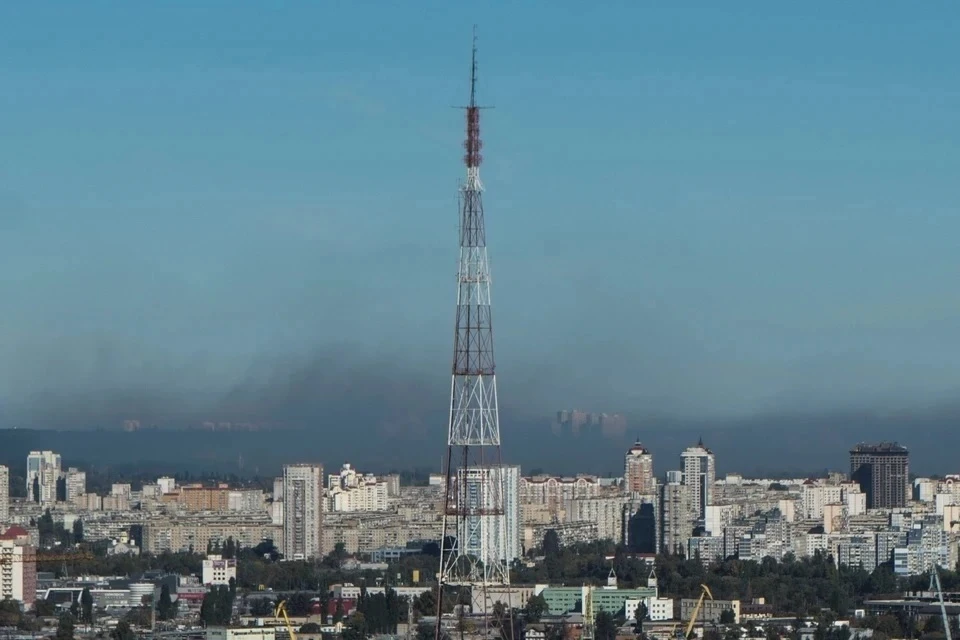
column 218, row 571
column 76, row 484
column 717, row 518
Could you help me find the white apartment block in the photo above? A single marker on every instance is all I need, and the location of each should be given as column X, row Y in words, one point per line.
column 699, row 475
column 43, row 471
column 18, row 572
column 814, row 497
column 370, row 495
column 302, row 511
column 491, row 488
column 218, row 570
column 717, row 518
column 352, row 491
column 76, row 484
column 658, row 609
column 606, row 512
column 167, row 484
column 854, row 500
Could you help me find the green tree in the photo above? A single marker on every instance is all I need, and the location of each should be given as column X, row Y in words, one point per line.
column 229, row 548
column 604, row 626
column 535, row 609
column 78, row 530
column 640, row 615
column 298, row 604
column 426, row 603
column 889, row 625
column 44, row 608
column 217, row 606
column 65, row 626
column 122, row 631
column 261, row 607
column 10, row 614
column 356, row 628
column 551, row 543
column 727, row 616
column 86, row 605
column 165, row 606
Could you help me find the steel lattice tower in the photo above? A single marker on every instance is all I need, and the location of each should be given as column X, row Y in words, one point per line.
column 474, row 524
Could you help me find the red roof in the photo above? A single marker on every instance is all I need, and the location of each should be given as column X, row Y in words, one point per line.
column 14, row 532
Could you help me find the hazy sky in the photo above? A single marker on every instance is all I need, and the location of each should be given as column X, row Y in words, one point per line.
column 703, row 208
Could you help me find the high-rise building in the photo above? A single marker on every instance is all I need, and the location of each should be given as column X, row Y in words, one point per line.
column 498, row 536
column 638, row 478
column 43, row 471
column 699, row 473
column 302, row 511
column 676, row 521
column 76, row 484
column 18, row 566
column 4, row 493
column 883, row 473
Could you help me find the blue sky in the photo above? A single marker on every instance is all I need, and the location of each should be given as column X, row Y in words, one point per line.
column 703, row 208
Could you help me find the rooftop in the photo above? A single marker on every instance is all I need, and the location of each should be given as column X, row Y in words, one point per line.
column 883, row 447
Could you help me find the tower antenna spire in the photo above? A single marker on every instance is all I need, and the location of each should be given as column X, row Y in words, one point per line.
column 473, row 70
column 472, row 157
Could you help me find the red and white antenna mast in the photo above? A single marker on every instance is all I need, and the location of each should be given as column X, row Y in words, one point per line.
column 481, row 532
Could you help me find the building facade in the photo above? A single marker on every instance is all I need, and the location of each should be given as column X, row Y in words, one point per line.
column 43, row 471
column 302, row 511
column 491, row 488
column 75, row 482
column 218, row 570
column 638, row 478
column 18, row 571
column 883, row 473
column 676, row 516
column 607, row 512
column 699, row 474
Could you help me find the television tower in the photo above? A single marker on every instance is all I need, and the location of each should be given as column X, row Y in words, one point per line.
column 474, row 526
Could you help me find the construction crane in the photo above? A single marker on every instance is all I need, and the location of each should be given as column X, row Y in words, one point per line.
column 935, row 584
column 704, row 593
column 281, row 612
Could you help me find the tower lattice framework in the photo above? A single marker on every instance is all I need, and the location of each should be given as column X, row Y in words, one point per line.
column 474, row 525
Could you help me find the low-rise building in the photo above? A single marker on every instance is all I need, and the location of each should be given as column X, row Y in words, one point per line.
column 218, row 570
